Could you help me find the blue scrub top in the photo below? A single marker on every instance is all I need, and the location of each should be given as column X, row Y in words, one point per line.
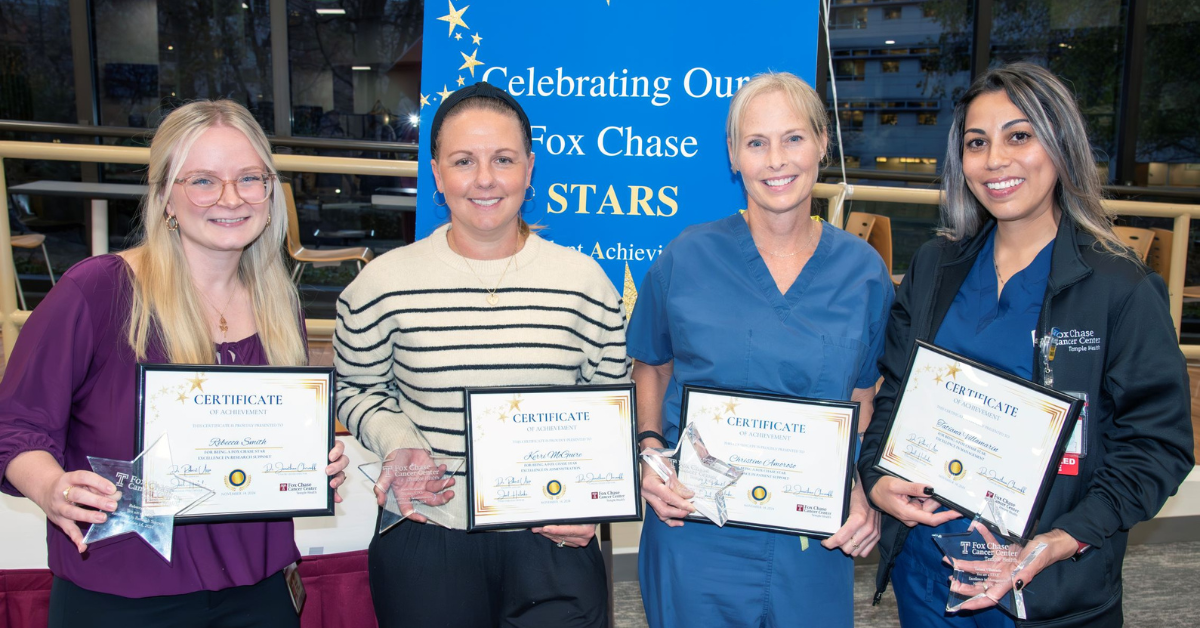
column 709, row 303
column 997, row 332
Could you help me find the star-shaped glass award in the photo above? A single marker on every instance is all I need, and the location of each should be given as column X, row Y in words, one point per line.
column 985, row 562
column 149, row 495
column 415, row 481
column 705, row 475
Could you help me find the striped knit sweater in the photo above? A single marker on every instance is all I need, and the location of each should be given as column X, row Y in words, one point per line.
column 415, row 328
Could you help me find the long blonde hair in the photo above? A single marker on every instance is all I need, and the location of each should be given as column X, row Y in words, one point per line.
column 165, row 301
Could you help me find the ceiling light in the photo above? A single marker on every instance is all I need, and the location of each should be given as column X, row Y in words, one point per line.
column 413, row 119
column 360, row 68
column 890, row 42
column 331, row 11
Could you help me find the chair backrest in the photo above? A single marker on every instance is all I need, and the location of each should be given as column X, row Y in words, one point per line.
column 1139, row 240
column 293, row 221
column 1159, row 257
column 876, row 230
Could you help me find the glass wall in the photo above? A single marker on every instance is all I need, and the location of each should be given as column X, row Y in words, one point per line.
column 37, row 79
column 1168, row 144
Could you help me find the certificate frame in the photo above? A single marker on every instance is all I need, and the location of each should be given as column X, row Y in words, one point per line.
column 321, row 376
column 848, row 449
column 1045, row 479
column 472, row 402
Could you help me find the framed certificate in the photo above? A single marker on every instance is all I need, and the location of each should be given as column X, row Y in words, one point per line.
column 258, row 436
column 796, row 456
column 551, row 455
column 976, row 433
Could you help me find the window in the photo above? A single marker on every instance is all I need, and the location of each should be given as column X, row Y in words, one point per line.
column 928, row 11
column 848, row 19
column 889, row 119
column 1168, row 147
column 889, row 67
column 891, row 13
column 851, row 119
column 926, row 118
column 36, row 72
column 850, row 70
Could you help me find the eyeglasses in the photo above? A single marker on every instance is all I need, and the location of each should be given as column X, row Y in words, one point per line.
column 206, row 190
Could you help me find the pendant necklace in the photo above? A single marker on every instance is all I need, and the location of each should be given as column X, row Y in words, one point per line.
column 222, row 324
column 492, row 298
column 812, row 234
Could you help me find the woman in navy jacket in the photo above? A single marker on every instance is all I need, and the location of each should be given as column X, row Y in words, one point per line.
column 1026, row 253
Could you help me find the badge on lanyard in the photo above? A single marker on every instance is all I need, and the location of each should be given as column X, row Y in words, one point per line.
column 1077, row 445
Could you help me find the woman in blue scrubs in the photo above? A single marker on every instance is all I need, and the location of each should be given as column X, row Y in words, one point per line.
column 1029, row 277
column 766, row 300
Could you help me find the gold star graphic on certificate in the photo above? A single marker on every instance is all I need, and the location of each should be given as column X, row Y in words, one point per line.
column 503, row 417
column 938, row 379
column 457, row 36
column 717, row 418
column 455, row 17
column 182, row 398
column 445, row 92
column 515, row 403
column 460, row 81
column 953, row 370
column 475, row 39
column 730, row 406
column 197, row 383
column 424, row 100
column 469, row 63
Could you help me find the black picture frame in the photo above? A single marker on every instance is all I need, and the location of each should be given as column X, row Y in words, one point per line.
column 326, row 371
column 635, row 479
column 850, row 447
column 1048, row 474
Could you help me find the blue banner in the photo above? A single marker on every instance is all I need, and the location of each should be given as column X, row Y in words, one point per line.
column 628, row 100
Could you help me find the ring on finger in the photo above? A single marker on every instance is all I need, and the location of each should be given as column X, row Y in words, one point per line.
column 67, row 494
column 562, row 542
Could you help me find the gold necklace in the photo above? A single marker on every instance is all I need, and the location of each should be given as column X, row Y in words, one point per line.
column 222, row 324
column 812, row 234
column 492, row 298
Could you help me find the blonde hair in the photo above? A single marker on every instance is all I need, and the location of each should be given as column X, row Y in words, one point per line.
column 165, row 302
column 800, row 95
column 1058, row 126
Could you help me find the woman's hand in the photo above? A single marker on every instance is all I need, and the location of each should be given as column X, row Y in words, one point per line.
column 412, row 476
column 1059, row 546
column 568, row 536
column 62, row 501
column 337, row 468
column 909, row 502
column 668, row 499
column 861, row 531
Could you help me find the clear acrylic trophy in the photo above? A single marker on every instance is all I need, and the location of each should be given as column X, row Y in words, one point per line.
column 698, row 471
column 985, row 563
column 148, row 497
column 416, row 482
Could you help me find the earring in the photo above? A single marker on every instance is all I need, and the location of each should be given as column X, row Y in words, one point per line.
column 435, row 199
column 530, row 193
column 268, row 219
column 172, row 223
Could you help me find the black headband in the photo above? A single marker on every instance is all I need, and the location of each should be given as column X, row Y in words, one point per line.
column 477, row 90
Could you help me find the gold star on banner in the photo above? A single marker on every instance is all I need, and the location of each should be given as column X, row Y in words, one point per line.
column 469, row 63
column 953, row 370
column 460, row 81
column 197, row 383
column 475, row 39
column 455, row 17
column 730, row 406
column 629, row 292
column 515, row 403
column 182, row 397
column 445, row 92
column 457, row 36
column 424, row 100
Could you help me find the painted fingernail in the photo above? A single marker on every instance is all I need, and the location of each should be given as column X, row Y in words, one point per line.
column 1020, row 583
column 929, row 490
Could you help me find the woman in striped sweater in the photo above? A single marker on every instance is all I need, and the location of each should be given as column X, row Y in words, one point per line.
column 482, row 301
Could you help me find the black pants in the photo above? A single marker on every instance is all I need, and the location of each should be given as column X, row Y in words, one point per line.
column 266, row 604
column 425, row 576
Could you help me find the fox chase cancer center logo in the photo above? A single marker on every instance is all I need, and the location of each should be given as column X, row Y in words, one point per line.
column 237, row 480
column 760, row 495
column 554, row 489
column 955, row 469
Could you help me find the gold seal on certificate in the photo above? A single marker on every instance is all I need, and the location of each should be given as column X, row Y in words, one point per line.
column 551, row 455
column 977, row 435
column 257, row 436
column 796, row 457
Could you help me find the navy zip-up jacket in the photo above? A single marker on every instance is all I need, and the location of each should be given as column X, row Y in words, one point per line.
column 1139, row 432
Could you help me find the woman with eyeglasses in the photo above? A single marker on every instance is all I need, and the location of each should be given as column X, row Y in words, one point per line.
column 206, row 285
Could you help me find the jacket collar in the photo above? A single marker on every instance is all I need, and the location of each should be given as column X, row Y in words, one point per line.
column 1066, row 263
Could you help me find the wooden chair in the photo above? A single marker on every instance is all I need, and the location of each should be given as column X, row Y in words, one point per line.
column 31, row 241
column 1159, row 257
column 302, row 256
column 876, row 229
column 1140, row 240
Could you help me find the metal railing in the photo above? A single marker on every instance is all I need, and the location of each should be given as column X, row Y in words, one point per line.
column 11, row 318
